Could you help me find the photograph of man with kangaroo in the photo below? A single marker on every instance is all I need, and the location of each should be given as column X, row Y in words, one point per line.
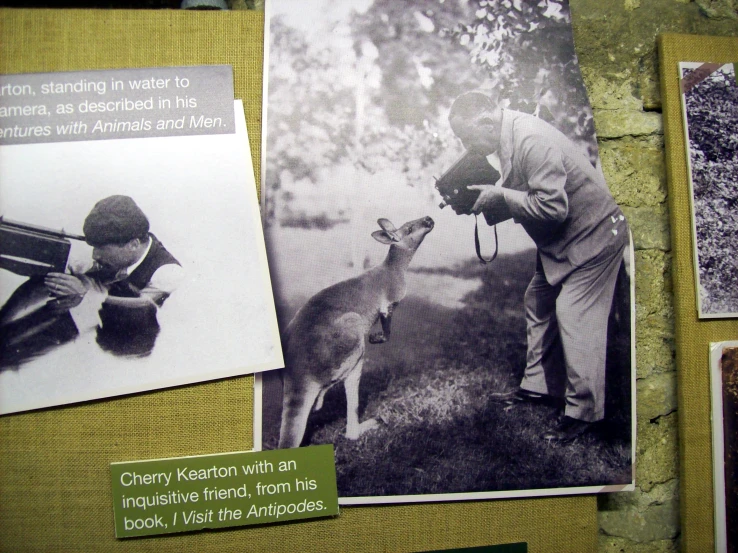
column 445, row 355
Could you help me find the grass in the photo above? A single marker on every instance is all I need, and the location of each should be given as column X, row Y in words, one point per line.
column 439, row 433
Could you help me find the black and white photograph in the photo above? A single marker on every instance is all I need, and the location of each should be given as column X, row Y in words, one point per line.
column 452, row 276
column 130, row 265
column 710, row 108
column 724, row 385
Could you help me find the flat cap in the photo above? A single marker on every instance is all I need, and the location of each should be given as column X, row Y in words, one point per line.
column 115, row 220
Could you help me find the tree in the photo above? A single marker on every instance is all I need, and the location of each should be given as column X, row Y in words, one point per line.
column 527, row 49
column 373, row 90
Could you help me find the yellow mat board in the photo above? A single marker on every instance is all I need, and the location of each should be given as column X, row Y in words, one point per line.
column 692, row 334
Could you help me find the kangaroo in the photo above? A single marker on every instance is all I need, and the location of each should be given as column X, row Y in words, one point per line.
column 325, row 341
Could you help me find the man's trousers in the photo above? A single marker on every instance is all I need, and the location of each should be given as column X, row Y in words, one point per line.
column 567, row 334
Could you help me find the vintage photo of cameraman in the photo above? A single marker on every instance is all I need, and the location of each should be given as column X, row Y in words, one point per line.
column 509, row 370
column 116, row 292
column 129, row 265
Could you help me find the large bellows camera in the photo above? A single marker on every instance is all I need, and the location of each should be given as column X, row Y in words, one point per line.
column 29, row 250
column 471, row 168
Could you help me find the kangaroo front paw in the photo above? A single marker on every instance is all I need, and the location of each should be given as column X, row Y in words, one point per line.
column 377, row 338
column 355, row 431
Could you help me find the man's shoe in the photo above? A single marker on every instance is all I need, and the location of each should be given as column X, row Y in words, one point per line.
column 567, row 430
column 516, row 397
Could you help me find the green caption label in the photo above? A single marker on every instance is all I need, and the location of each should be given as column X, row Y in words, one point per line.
column 216, row 491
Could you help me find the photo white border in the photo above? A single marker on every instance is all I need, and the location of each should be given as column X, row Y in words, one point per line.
column 718, row 441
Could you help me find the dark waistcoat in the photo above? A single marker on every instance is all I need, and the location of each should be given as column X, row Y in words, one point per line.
column 131, row 286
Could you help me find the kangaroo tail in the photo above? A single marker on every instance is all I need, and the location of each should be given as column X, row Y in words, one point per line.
column 296, row 405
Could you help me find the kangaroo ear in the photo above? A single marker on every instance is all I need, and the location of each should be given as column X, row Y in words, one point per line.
column 386, row 224
column 383, row 237
column 389, row 228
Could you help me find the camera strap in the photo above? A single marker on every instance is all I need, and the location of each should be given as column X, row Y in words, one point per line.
column 476, row 242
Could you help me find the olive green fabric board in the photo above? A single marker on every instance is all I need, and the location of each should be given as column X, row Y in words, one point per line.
column 693, row 335
column 55, row 492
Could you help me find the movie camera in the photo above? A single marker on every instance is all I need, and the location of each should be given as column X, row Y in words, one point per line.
column 29, row 250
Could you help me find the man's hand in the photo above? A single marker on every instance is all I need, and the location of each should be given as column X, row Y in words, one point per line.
column 62, row 284
column 70, row 290
column 491, row 202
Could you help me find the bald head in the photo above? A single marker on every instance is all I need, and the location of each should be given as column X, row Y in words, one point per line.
column 476, row 120
column 469, row 104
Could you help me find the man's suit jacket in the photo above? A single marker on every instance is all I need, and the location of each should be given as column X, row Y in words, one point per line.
column 562, row 201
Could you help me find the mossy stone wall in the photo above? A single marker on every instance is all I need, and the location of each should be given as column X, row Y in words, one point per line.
column 616, row 45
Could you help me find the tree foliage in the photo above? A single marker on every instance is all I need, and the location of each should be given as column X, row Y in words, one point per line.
column 375, row 89
column 527, row 48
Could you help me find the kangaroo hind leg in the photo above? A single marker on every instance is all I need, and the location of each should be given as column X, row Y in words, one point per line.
column 296, row 405
column 354, row 429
